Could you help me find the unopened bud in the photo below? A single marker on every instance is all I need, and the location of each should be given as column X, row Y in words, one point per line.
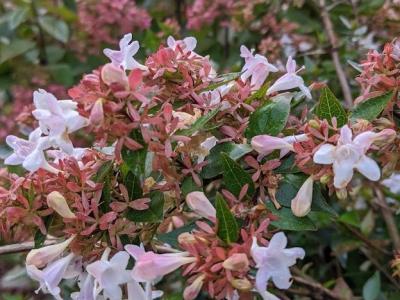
column 325, row 179
column 57, row 202
column 341, row 194
column 194, row 288
column 199, row 203
column 236, row 262
column 301, row 204
column 243, row 285
column 314, row 124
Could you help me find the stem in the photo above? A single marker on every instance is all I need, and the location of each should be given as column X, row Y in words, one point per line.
column 333, row 40
column 389, row 219
column 41, row 40
column 21, row 247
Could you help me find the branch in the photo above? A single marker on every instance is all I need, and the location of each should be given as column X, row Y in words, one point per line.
column 389, row 219
column 21, row 247
column 335, row 55
column 311, row 283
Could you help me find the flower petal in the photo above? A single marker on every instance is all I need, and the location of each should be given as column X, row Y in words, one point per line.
column 369, row 168
column 325, row 154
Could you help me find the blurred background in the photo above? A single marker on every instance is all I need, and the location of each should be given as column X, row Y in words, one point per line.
column 49, row 44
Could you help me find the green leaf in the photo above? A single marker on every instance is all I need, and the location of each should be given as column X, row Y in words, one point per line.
column 132, row 184
column 136, row 160
column 329, row 107
column 39, row 237
column 188, row 186
column 371, row 108
column 289, row 187
column 287, row 166
column 235, row 177
column 58, row 29
column 228, row 229
column 154, row 213
column 270, row 118
column 14, row 49
column 288, row 221
column 214, row 165
column 171, row 238
column 199, row 124
column 17, row 16
column 103, row 171
column 350, row 218
column 372, row 287
column 62, row 74
column 105, row 199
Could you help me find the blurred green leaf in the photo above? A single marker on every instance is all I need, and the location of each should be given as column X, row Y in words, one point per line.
column 372, row 287
column 228, row 229
column 14, row 49
column 188, row 186
column 351, row 218
column 57, row 28
column 371, row 108
column 17, row 16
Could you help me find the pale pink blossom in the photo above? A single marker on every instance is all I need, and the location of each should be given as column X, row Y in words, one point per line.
column 110, row 274
column 51, row 276
column 186, row 45
column 266, row 144
column 256, row 66
column 290, row 80
column 150, row 266
column 199, row 203
column 301, row 204
column 393, row 183
column 112, row 74
column 29, row 153
column 57, row 118
column 124, row 57
column 349, row 154
column 273, row 262
column 42, row 256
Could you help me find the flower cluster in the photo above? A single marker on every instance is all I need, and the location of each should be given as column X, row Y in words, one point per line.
column 172, row 149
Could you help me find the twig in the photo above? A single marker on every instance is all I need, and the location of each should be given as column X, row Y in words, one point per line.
column 21, row 247
column 389, row 219
column 311, row 283
column 335, row 55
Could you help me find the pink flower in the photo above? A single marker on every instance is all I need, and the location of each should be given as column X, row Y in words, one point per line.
column 266, row 144
column 301, row 204
column 257, row 67
column 290, row 80
column 124, row 57
column 273, row 262
column 349, row 154
column 150, row 266
column 199, row 203
column 29, row 153
column 186, row 45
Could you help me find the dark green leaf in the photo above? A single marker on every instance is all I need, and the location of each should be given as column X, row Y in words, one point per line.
column 288, row 221
column 103, row 171
column 153, row 214
column 15, row 48
column 228, row 229
column 199, row 124
column 105, row 199
column 371, row 108
column 58, row 29
column 372, row 287
column 40, row 238
column 214, row 165
column 17, row 16
column 289, row 187
column 351, row 218
column 287, row 166
column 62, row 73
column 136, row 160
column 270, row 118
column 132, row 184
column 235, row 177
column 329, row 107
column 171, row 238
column 188, row 186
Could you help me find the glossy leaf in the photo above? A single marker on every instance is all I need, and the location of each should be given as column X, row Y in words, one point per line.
column 371, row 108
column 228, row 229
column 330, row 107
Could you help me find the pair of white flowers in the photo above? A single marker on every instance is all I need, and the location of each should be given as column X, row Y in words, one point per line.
column 57, row 119
column 258, row 68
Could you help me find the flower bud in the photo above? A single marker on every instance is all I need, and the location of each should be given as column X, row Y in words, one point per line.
column 236, row 262
column 112, row 74
column 325, row 179
column 97, row 113
column 42, row 256
column 194, row 288
column 314, row 124
column 57, row 202
column 243, row 285
column 301, row 204
column 199, row 203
